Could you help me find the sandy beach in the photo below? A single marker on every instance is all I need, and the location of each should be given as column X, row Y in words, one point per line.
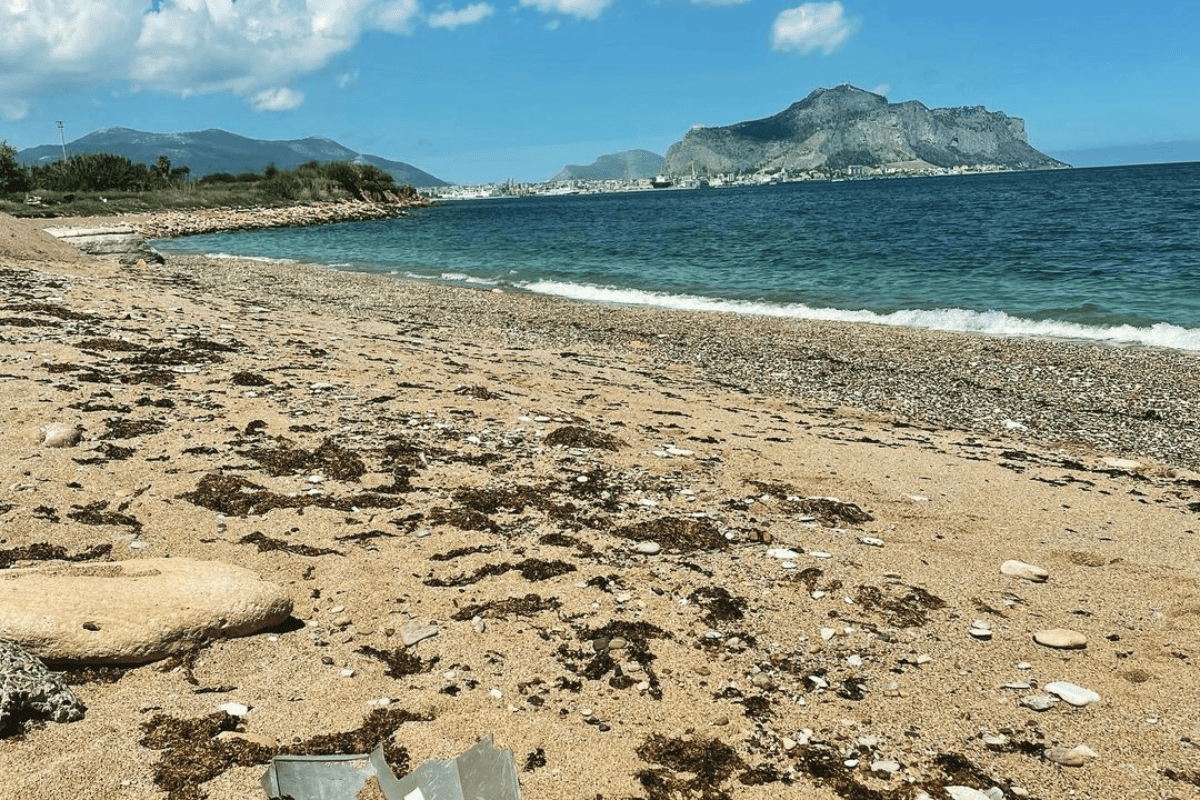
column 821, row 613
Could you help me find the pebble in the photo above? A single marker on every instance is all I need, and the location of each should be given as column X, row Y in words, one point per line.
column 820, row 554
column 347, row 673
column 59, row 434
column 1073, row 757
column 981, row 629
column 1019, row 569
column 782, row 552
column 871, row 541
column 414, row 632
column 235, row 709
column 1039, row 702
column 885, row 765
column 1075, row 695
column 1061, row 638
column 648, row 548
column 617, row 643
column 965, row 793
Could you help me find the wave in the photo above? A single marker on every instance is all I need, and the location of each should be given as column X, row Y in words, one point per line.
column 997, row 323
column 263, row 259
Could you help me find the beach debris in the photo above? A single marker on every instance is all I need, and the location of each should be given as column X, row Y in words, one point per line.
column 29, row 691
column 1019, row 569
column 133, row 612
column 61, row 434
column 1061, row 638
column 482, row 771
column 1039, row 702
column 1075, row 695
column 1070, row 757
column 981, row 629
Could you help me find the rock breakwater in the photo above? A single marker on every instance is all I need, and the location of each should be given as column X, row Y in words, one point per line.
column 171, row 224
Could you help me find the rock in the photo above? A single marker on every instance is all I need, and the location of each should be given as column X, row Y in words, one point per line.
column 1075, row 695
column 1039, row 702
column 29, row 691
column 132, row 612
column 1122, row 463
column 782, row 552
column 1019, row 569
column 120, row 242
column 648, row 548
column 1074, row 757
column 981, row 629
column 965, row 793
column 414, row 632
column 884, row 765
column 235, row 709
column 1061, row 638
column 871, row 541
column 61, row 434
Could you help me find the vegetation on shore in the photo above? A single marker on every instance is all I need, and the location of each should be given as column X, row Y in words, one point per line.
column 98, row 184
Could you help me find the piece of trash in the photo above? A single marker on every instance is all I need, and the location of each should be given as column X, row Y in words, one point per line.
column 482, row 771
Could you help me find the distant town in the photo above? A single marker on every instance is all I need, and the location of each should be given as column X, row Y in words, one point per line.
column 665, row 183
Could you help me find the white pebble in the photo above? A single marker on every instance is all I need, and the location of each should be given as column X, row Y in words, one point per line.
column 1073, row 694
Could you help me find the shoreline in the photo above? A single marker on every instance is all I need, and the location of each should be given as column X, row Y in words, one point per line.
column 823, row 610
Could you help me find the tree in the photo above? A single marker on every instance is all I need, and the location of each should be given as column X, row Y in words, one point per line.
column 12, row 177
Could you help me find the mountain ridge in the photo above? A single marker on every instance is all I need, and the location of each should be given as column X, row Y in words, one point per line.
column 844, row 127
column 215, row 150
column 628, row 165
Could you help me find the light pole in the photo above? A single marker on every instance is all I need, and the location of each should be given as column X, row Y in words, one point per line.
column 62, row 140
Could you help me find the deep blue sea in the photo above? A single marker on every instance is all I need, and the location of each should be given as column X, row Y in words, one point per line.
column 1109, row 254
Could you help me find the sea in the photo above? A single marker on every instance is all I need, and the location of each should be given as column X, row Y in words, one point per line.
column 1106, row 254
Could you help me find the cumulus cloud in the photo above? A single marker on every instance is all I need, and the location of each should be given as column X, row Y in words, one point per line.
column 184, row 46
column 447, row 18
column 812, row 26
column 584, row 9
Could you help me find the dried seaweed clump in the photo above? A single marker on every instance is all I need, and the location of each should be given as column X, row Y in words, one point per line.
column 489, row 501
column 111, row 345
column 576, row 436
column 129, row 428
column 464, row 519
column 249, row 379
column 400, row 662
column 193, row 755
column 905, row 607
column 42, row 551
column 378, row 727
column 531, row 569
column 332, row 459
column 708, row 762
column 718, row 604
column 830, row 512
column 527, row 606
column 95, row 514
column 266, row 544
column 679, row 534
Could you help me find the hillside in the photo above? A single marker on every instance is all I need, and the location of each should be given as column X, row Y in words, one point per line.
column 630, row 165
column 209, row 151
column 833, row 129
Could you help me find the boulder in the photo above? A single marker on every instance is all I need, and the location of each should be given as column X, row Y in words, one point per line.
column 29, row 691
column 121, row 242
column 132, row 612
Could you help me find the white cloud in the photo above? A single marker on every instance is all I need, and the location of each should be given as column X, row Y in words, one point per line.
column 476, row 12
column 282, row 99
column 584, row 9
column 812, row 26
column 248, row 47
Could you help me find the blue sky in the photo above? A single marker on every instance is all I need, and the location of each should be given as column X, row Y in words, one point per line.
column 495, row 89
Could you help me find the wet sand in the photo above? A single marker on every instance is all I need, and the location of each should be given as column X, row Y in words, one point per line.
column 396, row 453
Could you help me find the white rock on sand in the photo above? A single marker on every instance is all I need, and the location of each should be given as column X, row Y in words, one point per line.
column 1019, row 569
column 133, row 612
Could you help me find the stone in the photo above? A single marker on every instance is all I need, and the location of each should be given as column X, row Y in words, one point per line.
column 1075, row 695
column 1039, row 702
column 133, row 612
column 61, row 434
column 234, row 709
column 413, row 632
column 1061, row 638
column 1073, row 757
column 965, row 793
column 647, row 548
column 871, row 541
column 29, row 691
column 1019, row 569
column 885, row 765
column 782, row 552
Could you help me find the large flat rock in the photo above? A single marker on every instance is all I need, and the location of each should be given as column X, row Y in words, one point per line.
column 132, row 612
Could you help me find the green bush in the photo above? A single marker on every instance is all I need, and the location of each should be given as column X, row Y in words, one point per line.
column 13, row 178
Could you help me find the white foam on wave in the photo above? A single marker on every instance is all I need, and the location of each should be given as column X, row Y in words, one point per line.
column 997, row 323
column 263, row 259
column 465, row 278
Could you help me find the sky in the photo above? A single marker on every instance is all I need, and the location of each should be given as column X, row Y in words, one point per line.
column 489, row 90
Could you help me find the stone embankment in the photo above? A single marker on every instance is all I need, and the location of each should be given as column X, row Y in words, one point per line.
column 170, row 224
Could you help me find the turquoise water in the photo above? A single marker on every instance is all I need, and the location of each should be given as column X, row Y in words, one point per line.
column 1108, row 254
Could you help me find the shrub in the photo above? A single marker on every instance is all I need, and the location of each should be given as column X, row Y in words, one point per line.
column 12, row 177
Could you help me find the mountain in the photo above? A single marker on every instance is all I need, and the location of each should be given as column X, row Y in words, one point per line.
column 833, row 129
column 206, row 152
column 630, row 165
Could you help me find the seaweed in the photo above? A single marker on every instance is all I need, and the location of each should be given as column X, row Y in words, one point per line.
column 527, row 606
column 249, row 379
column 908, row 610
column 535, row 760
column 332, row 459
column 378, row 727
column 110, row 345
column 42, row 551
column 235, row 496
column 193, row 756
column 718, row 604
column 119, row 428
column 489, row 501
column 459, row 552
column 400, row 662
column 96, row 514
column 575, row 436
column 830, row 512
column 710, row 762
column 685, row 535
column 477, row 392
column 266, row 544
column 531, row 569
column 464, row 519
